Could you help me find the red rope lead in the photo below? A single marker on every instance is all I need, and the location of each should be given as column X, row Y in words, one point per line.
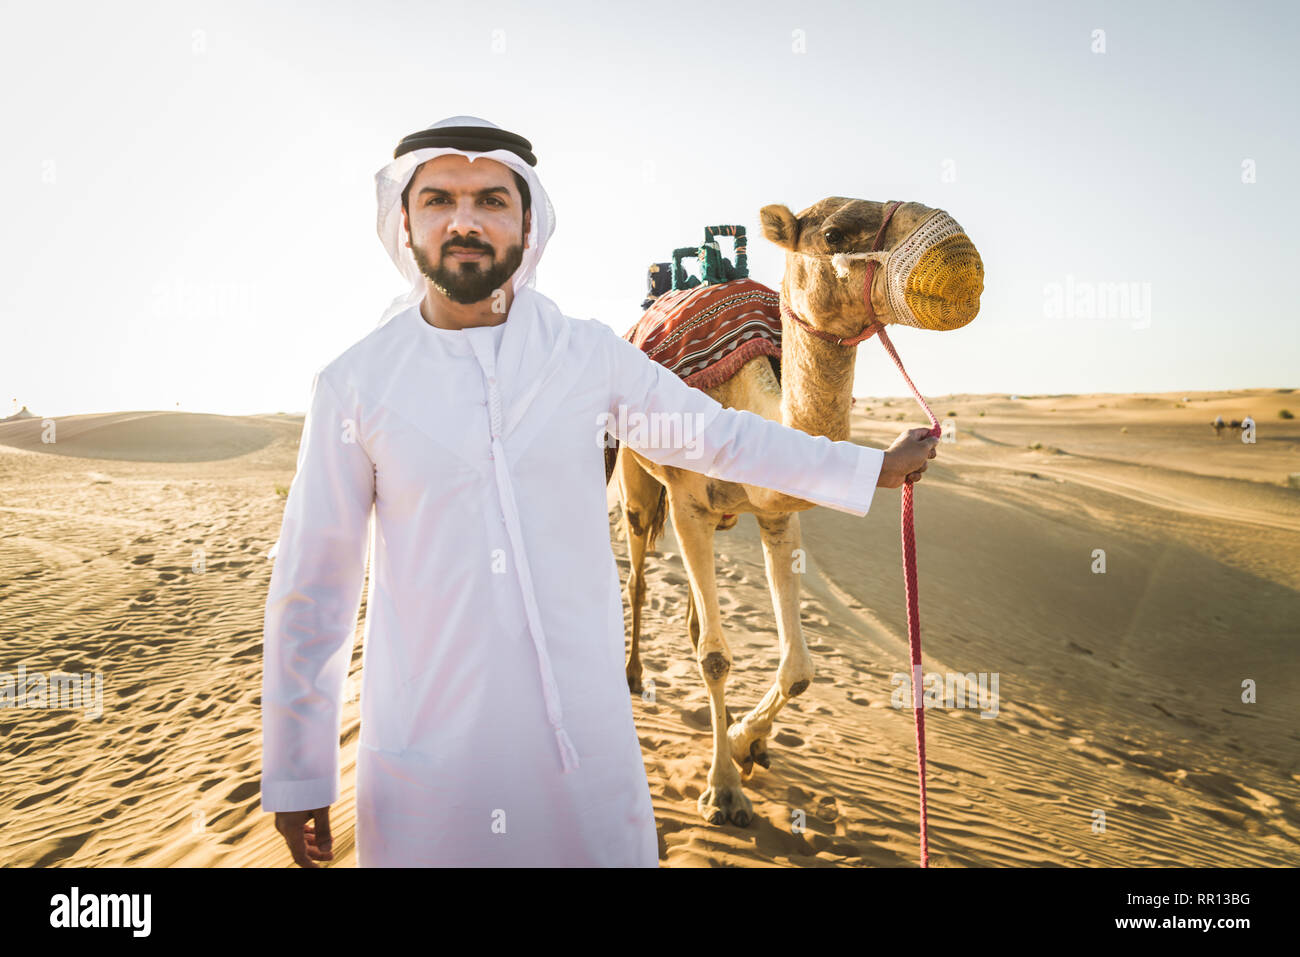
column 875, row 327
column 913, row 605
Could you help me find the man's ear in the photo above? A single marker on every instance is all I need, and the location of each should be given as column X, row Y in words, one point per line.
column 406, row 226
column 780, row 225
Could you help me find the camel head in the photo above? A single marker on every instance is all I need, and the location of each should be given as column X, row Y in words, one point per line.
column 929, row 273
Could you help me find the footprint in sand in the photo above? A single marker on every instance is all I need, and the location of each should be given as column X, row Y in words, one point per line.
column 56, row 849
column 1082, row 747
column 828, row 809
column 245, row 791
column 142, row 559
column 700, row 719
column 796, row 796
column 1145, row 810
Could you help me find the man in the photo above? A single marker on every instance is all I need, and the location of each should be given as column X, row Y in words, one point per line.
column 496, row 726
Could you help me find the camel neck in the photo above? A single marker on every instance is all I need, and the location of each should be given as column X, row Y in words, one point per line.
column 816, row 382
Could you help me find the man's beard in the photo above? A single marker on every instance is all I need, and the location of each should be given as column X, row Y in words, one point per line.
column 466, row 282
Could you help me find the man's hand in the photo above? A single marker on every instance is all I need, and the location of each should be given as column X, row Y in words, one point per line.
column 906, row 459
column 307, row 844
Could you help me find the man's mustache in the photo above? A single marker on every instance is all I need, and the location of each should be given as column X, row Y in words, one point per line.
column 466, row 246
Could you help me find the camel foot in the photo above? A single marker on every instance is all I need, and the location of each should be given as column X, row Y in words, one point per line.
column 634, row 682
column 748, row 749
column 718, row 805
column 756, row 755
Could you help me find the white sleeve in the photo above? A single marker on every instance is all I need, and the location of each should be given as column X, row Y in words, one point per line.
column 684, row 427
column 311, row 609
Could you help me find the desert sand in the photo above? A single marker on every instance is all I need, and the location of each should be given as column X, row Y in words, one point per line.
column 135, row 545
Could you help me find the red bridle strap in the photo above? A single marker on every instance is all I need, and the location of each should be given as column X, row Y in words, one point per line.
column 873, row 324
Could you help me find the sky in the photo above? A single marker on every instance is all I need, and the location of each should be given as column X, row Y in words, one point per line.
column 189, row 205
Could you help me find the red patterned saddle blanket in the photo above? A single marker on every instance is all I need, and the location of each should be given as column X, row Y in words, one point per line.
column 707, row 333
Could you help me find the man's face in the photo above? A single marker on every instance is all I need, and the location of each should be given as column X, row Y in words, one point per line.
column 466, row 226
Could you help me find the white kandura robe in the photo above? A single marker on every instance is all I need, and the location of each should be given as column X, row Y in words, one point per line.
column 465, row 715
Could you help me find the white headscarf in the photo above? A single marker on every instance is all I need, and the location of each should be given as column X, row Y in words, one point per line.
column 391, row 181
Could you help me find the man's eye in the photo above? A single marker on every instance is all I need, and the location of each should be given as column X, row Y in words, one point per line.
column 442, row 199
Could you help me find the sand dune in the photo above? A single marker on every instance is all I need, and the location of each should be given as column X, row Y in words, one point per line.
column 135, row 546
column 142, row 436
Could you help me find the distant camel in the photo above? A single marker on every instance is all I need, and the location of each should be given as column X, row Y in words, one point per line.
column 1219, row 425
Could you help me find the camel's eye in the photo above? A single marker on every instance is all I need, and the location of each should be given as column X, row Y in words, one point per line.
column 833, row 236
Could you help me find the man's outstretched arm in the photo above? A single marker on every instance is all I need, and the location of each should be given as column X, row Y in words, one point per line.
column 741, row 446
column 311, row 608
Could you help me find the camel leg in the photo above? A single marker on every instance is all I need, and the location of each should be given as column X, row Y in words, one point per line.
column 748, row 736
column 639, row 493
column 692, row 619
column 693, row 630
column 723, row 799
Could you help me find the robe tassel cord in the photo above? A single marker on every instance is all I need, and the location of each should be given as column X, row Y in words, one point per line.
column 568, row 753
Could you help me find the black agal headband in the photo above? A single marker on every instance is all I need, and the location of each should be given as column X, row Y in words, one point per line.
column 473, row 139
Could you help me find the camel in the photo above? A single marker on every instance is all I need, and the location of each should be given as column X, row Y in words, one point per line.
column 1219, row 425
column 813, row 393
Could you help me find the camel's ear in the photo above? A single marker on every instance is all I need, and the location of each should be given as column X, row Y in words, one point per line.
column 780, row 225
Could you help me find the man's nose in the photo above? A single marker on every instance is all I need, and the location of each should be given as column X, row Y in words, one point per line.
column 464, row 219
